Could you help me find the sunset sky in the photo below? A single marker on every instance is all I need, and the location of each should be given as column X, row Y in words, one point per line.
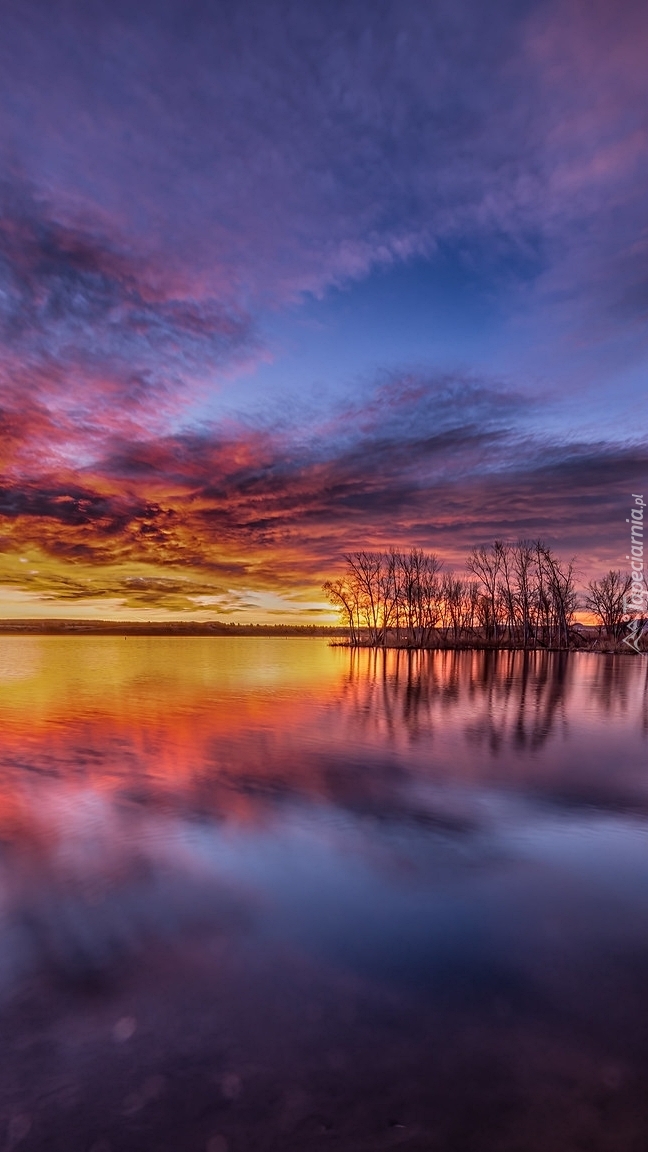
column 279, row 280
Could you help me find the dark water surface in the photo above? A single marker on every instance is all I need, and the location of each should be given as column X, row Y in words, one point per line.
column 267, row 894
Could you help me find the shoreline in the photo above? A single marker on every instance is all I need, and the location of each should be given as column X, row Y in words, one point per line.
column 601, row 648
column 161, row 628
column 338, row 637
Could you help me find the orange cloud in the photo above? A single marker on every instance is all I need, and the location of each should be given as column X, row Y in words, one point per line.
column 242, row 521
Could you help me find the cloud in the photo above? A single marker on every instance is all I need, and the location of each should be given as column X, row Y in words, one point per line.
column 441, row 463
column 286, row 148
column 174, row 171
column 174, row 174
column 90, row 325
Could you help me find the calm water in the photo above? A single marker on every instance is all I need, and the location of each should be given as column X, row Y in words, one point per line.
column 262, row 894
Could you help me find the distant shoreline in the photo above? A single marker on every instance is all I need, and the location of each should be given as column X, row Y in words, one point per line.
column 161, row 628
column 339, row 636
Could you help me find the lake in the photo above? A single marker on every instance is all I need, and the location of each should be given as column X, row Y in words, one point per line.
column 267, row 894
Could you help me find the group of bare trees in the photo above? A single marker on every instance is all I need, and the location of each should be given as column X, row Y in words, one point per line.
column 529, row 594
column 389, row 592
column 606, row 599
column 513, row 594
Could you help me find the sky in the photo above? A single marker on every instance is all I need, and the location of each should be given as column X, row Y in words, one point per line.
column 280, row 280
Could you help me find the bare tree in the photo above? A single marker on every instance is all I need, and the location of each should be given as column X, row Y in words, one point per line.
column 507, row 603
column 365, row 574
column 452, row 595
column 484, row 564
column 389, row 592
column 524, row 581
column 604, row 599
column 561, row 597
column 342, row 594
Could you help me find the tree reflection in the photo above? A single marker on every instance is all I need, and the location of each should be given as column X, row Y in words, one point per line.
column 502, row 698
column 371, row 732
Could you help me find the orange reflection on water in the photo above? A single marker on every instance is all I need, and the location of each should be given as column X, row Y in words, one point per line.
column 230, row 725
column 152, row 712
column 212, row 835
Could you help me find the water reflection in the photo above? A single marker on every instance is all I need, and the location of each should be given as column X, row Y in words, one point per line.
column 519, row 696
column 314, row 894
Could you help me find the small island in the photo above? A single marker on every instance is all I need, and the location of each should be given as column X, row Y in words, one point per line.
column 512, row 595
